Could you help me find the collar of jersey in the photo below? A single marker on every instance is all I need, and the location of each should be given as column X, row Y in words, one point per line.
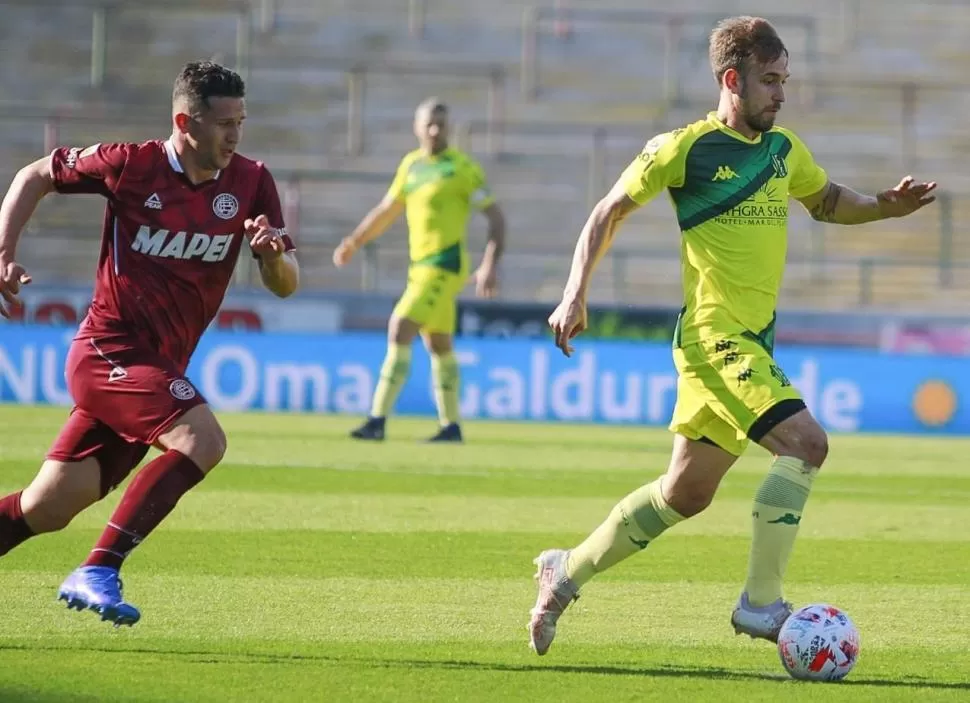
column 447, row 151
column 173, row 159
column 715, row 121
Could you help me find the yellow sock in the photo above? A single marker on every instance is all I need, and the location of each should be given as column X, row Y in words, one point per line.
column 777, row 512
column 636, row 521
column 444, row 371
column 394, row 372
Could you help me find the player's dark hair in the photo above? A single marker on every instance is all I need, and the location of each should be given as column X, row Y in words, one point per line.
column 201, row 80
column 737, row 40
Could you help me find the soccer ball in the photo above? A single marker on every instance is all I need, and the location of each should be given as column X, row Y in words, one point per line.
column 818, row 643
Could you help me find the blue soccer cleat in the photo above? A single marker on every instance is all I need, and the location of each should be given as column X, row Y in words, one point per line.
column 98, row 588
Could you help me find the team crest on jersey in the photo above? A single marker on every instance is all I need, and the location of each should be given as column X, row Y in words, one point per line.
column 225, row 206
column 778, row 163
column 181, row 389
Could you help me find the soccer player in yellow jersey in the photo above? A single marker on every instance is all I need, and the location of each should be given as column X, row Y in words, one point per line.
column 730, row 177
column 438, row 186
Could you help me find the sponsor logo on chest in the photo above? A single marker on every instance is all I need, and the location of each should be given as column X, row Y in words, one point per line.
column 210, row 248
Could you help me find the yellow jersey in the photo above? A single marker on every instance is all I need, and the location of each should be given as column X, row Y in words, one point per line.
column 731, row 195
column 439, row 192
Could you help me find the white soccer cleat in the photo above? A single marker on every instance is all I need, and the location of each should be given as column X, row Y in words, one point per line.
column 760, row 622
column 556, row 591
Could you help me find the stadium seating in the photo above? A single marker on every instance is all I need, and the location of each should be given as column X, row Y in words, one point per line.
column 316, row 67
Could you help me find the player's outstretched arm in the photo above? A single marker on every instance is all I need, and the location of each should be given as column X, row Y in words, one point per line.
column 375, row 223
column 486, row 276
column 841, row 205
column 569, row 318
column 28, row 188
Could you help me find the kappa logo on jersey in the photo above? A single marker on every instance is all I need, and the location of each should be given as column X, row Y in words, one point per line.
column 724, row 173
column 210, row 248
column 153, row 202
column 181, row 389
column 225, row 206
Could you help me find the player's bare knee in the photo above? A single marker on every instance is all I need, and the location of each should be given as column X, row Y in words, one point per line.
column 438, row 344
column 810, row 444
column 689, row 498
column 205, row 448
column 799, row 436
column 199, row 437
column 815, row 447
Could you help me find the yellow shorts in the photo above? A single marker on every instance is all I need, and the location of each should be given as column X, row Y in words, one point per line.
column 431, row 299
column 723, row 387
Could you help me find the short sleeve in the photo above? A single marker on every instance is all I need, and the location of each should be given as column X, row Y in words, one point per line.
column 94, row 169
column 480, row 193
column 659, row 165
column 267, row 202
column 396, row 189
column 807, row 177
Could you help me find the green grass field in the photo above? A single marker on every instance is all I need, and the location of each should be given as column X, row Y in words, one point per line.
column 311, row 568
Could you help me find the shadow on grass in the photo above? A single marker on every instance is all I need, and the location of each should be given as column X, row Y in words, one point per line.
column 671, row 671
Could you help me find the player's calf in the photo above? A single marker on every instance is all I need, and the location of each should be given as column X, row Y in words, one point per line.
column 800, row 447
column 194, row 445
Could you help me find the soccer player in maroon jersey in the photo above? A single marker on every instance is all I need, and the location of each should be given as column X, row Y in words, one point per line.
column 178, row 215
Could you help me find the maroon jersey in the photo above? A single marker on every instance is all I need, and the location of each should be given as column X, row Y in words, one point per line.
column 168, row 247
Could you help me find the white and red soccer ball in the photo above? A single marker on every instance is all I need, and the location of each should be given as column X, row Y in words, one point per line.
column 818, row 643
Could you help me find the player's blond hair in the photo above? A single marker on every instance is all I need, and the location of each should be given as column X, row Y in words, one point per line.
column 736, row 41
column 429, row 106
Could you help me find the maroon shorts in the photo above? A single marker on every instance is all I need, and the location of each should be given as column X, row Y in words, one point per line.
column 125, row 396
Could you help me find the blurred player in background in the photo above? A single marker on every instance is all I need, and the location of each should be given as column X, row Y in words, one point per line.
column 730, row 177
column 178, row 214
column 438, row 185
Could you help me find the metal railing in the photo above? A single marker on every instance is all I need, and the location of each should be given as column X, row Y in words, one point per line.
column 258, row 13
column 535, row 19
column 598, row 142
column 357, row 73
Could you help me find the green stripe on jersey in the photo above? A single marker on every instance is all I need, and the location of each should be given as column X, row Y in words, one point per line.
column 722, row 172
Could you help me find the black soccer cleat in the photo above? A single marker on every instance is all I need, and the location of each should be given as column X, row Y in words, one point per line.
column 448, row 433
column 372, row 429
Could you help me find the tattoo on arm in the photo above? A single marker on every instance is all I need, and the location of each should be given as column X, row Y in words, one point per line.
column 825, row 210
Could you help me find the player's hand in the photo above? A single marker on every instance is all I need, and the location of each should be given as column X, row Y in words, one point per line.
column 567, row 321
column 486, row 281
column 344, row 252
column 265, row 241
column 12, row 276
column 906, row 198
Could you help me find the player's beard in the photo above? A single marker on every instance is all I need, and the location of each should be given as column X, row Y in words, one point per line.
column 758, row 120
